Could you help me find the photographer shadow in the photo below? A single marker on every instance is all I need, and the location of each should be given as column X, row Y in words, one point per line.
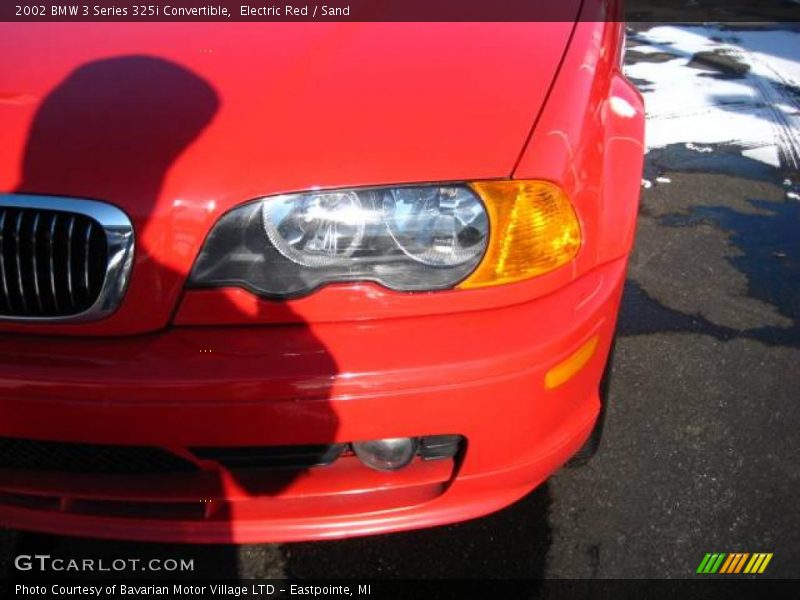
column 111, row 131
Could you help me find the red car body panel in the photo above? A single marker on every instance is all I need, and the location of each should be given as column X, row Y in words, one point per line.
column 288, row 107
column 296, row 107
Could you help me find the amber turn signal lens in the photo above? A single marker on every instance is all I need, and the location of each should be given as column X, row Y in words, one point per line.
column 533, row 229
column 566, row 370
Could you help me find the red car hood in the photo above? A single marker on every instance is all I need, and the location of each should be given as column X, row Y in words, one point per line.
column 177, row 123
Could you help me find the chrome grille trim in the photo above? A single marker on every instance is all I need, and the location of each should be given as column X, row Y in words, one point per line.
column 119, row 255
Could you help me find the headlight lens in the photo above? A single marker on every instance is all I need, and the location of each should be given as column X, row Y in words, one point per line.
column 405, row 238
column 439, row 227
column 315, row 230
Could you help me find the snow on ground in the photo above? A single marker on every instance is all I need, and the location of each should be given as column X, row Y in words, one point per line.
column 712, row 84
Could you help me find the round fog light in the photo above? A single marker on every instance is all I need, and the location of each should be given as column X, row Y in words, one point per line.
column 386, row 455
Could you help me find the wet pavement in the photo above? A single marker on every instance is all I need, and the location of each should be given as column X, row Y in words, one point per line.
column 702, row 435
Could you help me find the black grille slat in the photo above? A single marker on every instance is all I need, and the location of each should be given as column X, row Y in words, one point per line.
column 18, row 258
column 52, row 260
column 6, row 296
column 34, row 262
column 86, row 256
column 70, row 289
column 52, row 263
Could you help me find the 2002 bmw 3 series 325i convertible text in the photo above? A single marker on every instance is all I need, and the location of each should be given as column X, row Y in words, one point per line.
column 273, row 282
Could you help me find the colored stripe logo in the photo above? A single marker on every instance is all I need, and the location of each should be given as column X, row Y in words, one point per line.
column 733, row 563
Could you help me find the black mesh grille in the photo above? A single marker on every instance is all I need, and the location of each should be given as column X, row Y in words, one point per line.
column 65, row 457
column 52, row 263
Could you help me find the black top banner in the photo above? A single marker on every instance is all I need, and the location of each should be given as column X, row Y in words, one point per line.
column 400, row 10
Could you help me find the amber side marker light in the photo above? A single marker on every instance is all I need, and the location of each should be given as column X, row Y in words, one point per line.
column 567, row 369
column 533, row 229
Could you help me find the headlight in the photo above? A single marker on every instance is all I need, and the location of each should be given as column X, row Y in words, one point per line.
column 315, row 230
column 405, row 238
column 409, row 238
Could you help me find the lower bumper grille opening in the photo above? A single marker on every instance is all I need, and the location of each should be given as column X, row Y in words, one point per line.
column 157, row 484
column 177, row 511
column 66, row 457
column 272, row 457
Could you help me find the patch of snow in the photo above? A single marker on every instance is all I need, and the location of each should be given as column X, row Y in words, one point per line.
column 767, row 154
column 696, row 148
column 698, row 105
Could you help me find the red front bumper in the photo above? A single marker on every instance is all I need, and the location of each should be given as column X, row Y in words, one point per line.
column 478, row 374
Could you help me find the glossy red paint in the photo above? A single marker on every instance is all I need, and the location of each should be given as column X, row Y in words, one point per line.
column 285, row 108
column 268, row 108
column 388, row 379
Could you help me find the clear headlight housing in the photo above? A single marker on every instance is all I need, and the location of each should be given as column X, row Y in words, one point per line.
column 405, row 238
